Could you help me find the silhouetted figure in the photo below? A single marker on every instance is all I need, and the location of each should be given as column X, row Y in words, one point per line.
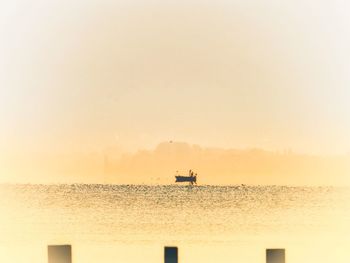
column 60, row 254
column 170, row 255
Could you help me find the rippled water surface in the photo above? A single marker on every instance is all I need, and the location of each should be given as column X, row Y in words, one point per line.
column 113, row 223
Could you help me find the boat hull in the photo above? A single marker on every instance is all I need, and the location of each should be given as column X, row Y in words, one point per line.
column 191, row 179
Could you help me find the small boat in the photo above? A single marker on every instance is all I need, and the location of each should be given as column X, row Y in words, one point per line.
column 191, row 178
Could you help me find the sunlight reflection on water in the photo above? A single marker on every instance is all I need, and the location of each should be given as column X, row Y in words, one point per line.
column 108, row 221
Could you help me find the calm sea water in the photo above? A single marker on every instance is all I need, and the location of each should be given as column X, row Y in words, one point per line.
column 132, row 223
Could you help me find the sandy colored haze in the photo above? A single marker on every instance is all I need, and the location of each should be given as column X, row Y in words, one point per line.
column 79, row 77
column 159, row 165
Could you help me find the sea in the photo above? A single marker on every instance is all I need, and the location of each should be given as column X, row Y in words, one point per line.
column 133, row 223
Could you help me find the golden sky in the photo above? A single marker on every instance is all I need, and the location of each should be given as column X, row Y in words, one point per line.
column 82, row 76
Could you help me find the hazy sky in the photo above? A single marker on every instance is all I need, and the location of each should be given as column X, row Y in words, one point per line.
column 85, row 75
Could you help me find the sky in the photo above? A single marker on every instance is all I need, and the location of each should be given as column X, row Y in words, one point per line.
column 84, row 76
